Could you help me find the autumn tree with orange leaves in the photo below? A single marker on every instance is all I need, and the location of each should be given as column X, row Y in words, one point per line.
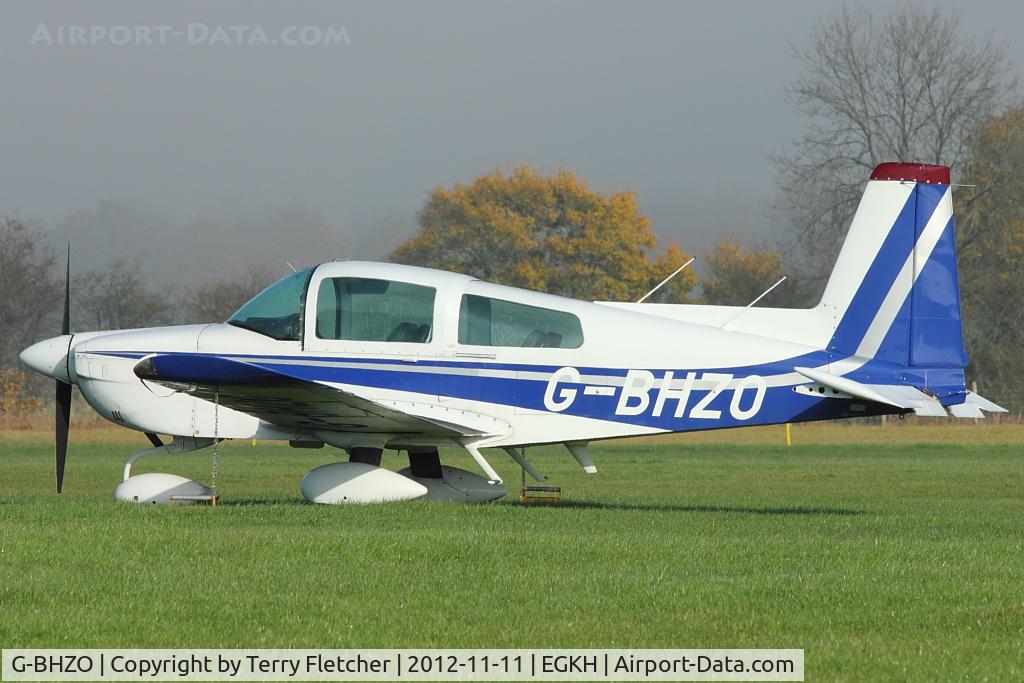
column 549, row 233
column 736, row 275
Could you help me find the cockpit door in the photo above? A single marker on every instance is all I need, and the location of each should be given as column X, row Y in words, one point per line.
column 363, row 316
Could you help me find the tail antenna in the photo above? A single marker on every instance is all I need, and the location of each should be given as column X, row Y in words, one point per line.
column 751, row 304
column 665, row 281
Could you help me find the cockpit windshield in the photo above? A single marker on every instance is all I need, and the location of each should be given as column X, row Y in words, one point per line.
column 277, row 310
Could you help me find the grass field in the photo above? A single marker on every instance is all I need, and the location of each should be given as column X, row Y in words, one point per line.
column 882, row 555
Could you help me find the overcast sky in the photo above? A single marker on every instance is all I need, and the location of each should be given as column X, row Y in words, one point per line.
column 683, row 102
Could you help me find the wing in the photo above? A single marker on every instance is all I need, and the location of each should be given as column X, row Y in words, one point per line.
column 292, row 402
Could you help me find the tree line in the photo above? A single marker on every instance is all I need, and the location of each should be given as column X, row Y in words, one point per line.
column 117, row 296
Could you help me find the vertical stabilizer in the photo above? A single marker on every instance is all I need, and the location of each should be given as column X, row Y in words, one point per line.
column 893, row 294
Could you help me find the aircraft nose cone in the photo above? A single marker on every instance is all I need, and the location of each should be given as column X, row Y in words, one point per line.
column 49, row 357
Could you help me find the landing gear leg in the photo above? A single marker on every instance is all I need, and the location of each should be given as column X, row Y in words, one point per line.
column 367, row 456
column 425, row 462
column 135, row 456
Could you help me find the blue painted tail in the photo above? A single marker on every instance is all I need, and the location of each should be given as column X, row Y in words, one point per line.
column 894, row 291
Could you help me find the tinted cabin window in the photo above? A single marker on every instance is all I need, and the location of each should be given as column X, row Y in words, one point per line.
column 277, row 310
column 493, row 322
column 364, row 309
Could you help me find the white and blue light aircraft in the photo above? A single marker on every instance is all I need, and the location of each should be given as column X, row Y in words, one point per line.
column 373, row 356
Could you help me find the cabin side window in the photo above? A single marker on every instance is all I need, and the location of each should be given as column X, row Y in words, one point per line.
column 493, row 322
column 365, row 309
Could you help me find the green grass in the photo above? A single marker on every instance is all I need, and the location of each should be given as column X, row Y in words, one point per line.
column 883, row 563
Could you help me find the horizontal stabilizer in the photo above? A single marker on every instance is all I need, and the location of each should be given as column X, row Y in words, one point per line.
column 899, row 396
column 984, row 403
column 966, row 410
column 973, row 406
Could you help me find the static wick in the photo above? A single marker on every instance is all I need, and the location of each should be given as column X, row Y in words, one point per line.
column 662, row 283
column 291, row 266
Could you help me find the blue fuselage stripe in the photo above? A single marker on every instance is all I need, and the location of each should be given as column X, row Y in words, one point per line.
column 812, row 358
column 779, row 404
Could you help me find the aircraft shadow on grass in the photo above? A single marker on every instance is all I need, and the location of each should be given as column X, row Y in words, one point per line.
column 654, row 507
column 639, row 507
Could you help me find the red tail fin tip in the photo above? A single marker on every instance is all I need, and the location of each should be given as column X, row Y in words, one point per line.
column 919, row 173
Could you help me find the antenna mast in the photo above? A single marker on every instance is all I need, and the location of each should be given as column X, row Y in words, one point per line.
column 759, row 297
column 660, row 284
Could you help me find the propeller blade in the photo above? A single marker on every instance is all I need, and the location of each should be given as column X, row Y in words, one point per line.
column 62, row 424
column 63, row 393
column 65, row 326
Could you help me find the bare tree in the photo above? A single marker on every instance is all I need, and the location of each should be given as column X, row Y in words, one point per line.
column 216, row 299
column 30, row 301
column 117, row 298
column 906, row 86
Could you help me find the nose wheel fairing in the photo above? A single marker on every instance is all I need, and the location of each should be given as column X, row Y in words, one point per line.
column 160, row 487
